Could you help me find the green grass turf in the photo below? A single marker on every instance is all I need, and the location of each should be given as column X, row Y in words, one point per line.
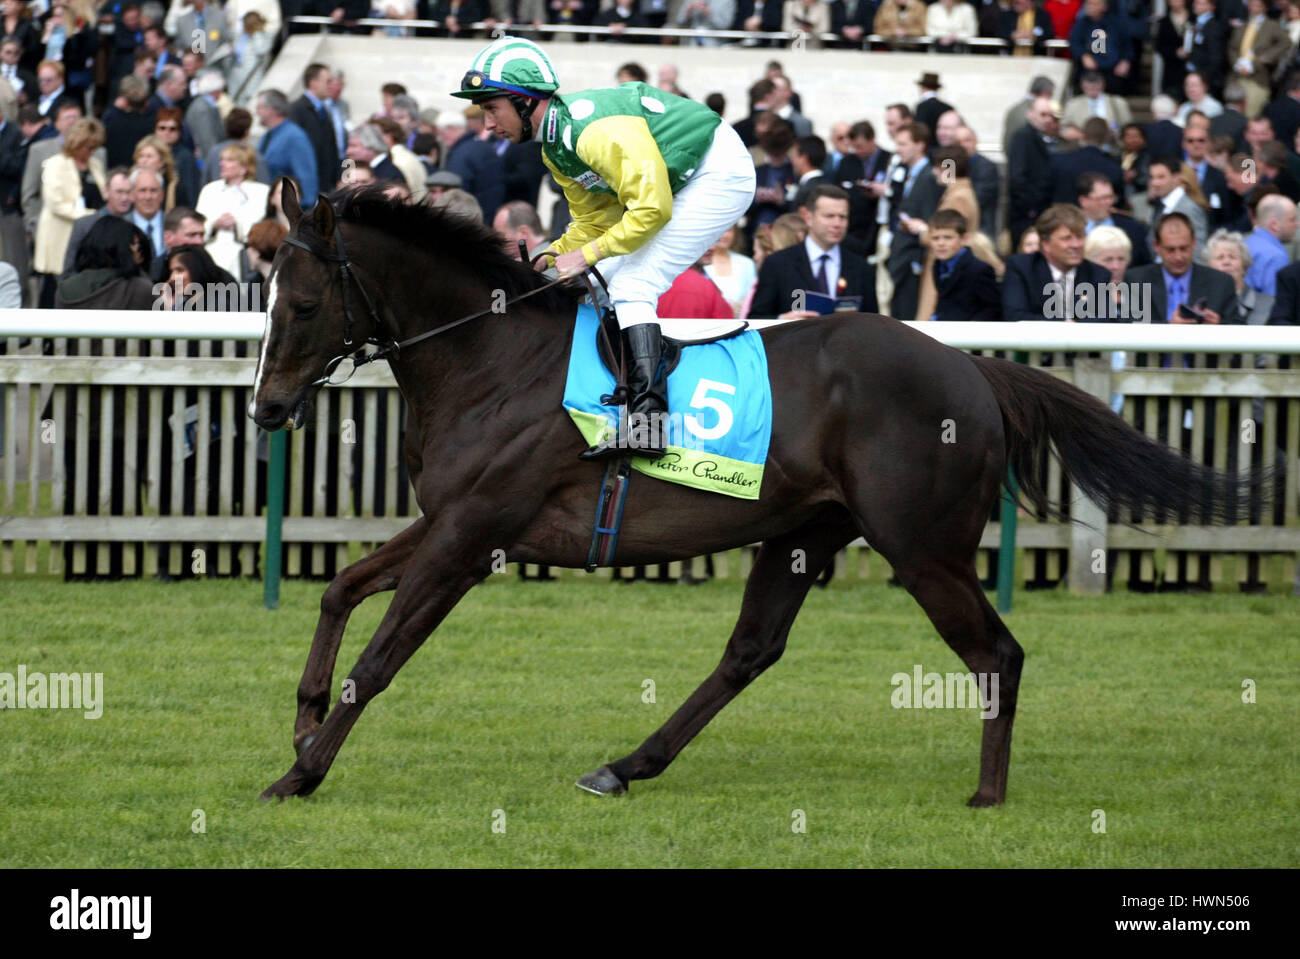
column 1130, row 704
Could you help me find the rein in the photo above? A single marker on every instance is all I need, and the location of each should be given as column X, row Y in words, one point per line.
column 390, row 346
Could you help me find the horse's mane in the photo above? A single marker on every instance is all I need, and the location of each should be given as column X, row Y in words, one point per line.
column 475, row 248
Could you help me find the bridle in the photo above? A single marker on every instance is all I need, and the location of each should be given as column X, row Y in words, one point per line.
column 388, row 346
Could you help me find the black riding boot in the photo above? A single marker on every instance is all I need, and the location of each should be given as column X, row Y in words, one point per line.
column 648, row 403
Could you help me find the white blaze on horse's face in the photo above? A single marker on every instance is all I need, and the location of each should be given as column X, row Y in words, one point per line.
column 266, row 339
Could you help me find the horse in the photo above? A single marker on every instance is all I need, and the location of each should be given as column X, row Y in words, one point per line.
column 879, row 431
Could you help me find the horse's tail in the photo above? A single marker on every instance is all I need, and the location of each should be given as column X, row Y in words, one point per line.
column 1110, row 461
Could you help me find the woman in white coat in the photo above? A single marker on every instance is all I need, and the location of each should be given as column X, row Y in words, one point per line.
column 231, row 205
column 72, row 186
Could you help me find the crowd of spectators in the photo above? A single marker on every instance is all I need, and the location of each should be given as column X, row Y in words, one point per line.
column 110, row 113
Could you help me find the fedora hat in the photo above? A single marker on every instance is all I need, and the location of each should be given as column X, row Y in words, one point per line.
column 929, row 81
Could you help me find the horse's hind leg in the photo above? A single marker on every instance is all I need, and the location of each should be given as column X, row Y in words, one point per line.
column 380, row 571
column 950, row 593
column 776, row 589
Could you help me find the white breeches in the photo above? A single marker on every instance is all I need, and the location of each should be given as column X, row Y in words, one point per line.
column 712, row 202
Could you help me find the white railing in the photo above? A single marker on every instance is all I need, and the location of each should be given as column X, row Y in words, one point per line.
column 1038, row 335
column 983, row 43
column 186, row 466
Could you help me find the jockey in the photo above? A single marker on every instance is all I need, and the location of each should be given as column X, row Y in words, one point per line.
column 652, row 179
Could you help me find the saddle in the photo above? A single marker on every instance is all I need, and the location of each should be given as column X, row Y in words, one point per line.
column 676, row 335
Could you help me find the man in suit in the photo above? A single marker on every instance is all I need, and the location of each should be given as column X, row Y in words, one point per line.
column 1255, row 49
column 146, row 208
column 1284, row 112
column 309, row 114
column 1039, row 88
column 917, row 201
column 118, row 201
column 205, row 20
column 20, row 78
column 1095, row 196
column 1094, row 101
column 1196, row 146
column 858, row 173
column 1164, row 136
column 202, row 117
column 985, row 179
column 1232, row 121
column 759, row 94
column 1177, row 280
column 851, row 20
column 807, row 158
column 477, row 158
column 366, row 145
column 1029, row 168
column 1165, row 190
column 156, row 42
column 929, row 108
column 171, row 90
column 125, row 125
column 42, row 147
column 1049, row 284
column 1025, row 20
column 1066, row 168
column 779, row 102
column 1286, row 305
column 787, row 274
column 1209, row 52
column 773, row 177
column 1274, row 166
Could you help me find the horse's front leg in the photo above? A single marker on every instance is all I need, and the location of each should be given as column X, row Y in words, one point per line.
column 381, row 570
column 451, row 558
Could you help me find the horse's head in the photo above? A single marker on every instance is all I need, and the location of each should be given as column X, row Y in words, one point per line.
column 307, row 320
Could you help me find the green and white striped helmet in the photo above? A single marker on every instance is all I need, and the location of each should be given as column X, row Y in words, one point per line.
column 509, row 65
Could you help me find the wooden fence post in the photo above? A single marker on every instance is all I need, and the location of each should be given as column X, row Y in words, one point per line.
column 1088, row 529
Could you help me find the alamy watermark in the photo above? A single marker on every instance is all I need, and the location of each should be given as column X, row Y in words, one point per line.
column 921, row 690
column 213, row 297
column 24, row 690
column 1097, row 301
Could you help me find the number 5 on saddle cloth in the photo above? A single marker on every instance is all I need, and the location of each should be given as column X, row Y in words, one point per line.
column 718, row 427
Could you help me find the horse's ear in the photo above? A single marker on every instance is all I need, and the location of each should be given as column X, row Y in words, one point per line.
column 289, row 202
column 322, row 217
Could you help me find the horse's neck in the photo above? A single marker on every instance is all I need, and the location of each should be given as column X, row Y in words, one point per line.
column 476, row 365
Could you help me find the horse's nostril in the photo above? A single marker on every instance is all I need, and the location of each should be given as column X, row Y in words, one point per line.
column 269, row 416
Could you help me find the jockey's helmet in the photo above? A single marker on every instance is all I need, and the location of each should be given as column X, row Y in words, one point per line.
column 506, row 66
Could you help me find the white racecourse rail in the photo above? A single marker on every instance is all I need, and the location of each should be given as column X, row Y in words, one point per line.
column 347, row 490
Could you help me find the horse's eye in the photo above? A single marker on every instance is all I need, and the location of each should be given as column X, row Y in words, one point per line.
column 307, row 308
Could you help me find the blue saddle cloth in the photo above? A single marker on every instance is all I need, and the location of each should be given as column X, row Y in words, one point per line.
column 720, row 410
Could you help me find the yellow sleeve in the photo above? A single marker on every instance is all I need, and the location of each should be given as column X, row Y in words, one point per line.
column 592, row 213
column 621, row 150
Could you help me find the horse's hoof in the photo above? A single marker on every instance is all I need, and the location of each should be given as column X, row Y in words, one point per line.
column 981, row 799
column 602, row 782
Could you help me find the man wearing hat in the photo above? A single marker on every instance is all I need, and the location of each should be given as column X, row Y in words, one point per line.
column 652, row 180
column 929, row 108
column 440, row 181
column 1029, row 167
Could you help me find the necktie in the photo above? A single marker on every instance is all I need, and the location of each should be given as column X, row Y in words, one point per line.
column 1067, row 294
column 1157, row 210
column 1248, row 39
column 823, row 286
column 1175, row 299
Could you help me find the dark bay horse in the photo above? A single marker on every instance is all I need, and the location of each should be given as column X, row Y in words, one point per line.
column 862, row 445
